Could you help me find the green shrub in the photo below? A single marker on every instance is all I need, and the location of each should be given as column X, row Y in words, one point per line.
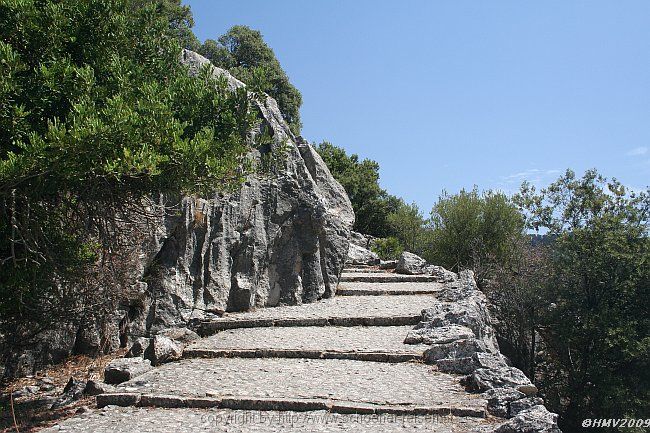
column 473, row 231
column 388, row 248
column 96, row 114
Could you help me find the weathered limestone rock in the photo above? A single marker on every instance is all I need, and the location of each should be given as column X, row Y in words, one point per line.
column 499, row 400
column 123, row 369
column 466, row 365
column 443, row 274
column 361, row 240
column 360, row 256
column 534, row 420
column 138, row 347
column 163, row 349
column 95, row 388
column 388, row 264
column 484, row 379
column 440, row 335
column 457, row 348
column 182, row 335
column 73, row 391
column 411, row 264
column 518, row 406
column 280, row 239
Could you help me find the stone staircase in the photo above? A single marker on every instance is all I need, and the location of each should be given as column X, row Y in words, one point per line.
column 335, row 365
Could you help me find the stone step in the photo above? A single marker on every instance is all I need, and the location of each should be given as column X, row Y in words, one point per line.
column 171, row 401
column 385, row 277
column 163, row 420
column 368, row 289
column 375, row 343
column 300, row 384
column 398, row 310
column 363, row 270
column 375, row 356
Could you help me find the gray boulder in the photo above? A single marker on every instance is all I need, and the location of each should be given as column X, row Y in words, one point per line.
column 438, row 333
column 467, row 365
column 388, row 264
column 138, row 347
column 95, row 388
column 122, row 369
column 518, row 406
column 361, row 240
column 537, row 419
column 182, row 335
column 410, row 264
column 469, row 314
column 499, row 400
column 360, row 256
column 459, row 348
column 163, row 349
column 72, row 392
column 443, row 274
column 484, row 379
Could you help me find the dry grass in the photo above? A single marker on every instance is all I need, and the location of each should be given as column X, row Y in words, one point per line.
column 29, row 414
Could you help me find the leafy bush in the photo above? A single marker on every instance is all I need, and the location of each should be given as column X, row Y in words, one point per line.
column 473, row 230
column 388, row 248
column 96, row 114
column 409, row 227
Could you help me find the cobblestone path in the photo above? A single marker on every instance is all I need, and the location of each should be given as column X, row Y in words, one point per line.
column 338, row 365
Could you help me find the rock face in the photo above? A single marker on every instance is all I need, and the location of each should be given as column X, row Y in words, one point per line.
column 281, row 238
column 461, row 339
column 360, row 256
column 361, row 240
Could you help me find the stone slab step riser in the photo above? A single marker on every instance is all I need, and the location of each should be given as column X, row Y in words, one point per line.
column 299, row 353
column 380, row 292
column 295, row 405
column 364, row 271
column 389, row 278
column 209, row 328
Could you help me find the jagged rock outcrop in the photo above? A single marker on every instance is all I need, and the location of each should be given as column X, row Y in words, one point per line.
column 281, row 238
column 458, row 329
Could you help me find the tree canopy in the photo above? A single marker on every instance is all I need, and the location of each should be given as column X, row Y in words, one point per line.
column 243, row 52
column 471, row 230
column 598, row 331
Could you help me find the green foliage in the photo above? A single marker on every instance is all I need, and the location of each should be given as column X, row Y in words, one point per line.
column 473, row 230
column 408, row 224
column 371, row 204
column 244, row 53
column 387, row 248
column 96, row 113
column 598, row 331
column 180, row 20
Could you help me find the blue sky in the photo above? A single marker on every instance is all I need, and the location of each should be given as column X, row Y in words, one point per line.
column 447, row 95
